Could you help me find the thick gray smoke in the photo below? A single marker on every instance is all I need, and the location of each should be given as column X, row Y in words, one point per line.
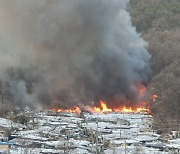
column 80, row 50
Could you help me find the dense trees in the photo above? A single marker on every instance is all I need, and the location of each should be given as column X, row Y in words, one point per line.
column 159, row 23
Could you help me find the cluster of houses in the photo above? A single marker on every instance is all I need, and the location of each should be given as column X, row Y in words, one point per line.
column 50, row 132
column 5, row 144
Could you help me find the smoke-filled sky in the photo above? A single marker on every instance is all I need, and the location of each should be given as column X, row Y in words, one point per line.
column 80, row 50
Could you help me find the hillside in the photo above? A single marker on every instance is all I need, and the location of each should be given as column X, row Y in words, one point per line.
column 159, row 23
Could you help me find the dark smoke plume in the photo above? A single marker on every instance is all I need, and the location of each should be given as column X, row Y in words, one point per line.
column 80, row 50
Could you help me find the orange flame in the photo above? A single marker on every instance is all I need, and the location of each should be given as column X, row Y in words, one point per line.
column 103, row 108
column 75, row 109
column 154, row 98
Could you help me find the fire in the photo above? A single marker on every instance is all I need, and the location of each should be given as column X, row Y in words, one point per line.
column 75, row 109
column 103, row 108
column 154, row 98
column 142, row 106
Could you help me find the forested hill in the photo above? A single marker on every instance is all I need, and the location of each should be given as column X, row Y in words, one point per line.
column 159, row 23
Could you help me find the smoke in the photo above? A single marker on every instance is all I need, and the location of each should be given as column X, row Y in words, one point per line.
column 81, row 50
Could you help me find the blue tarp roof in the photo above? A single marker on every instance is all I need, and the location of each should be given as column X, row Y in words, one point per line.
column 7, row 143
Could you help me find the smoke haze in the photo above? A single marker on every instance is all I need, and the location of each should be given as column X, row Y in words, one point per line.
column 77, row 51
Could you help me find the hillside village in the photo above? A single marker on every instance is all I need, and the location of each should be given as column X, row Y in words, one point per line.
column 78, row 53
column 48, row 132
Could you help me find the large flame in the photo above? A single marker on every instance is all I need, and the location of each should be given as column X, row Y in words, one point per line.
column 142, row 106
column 103, row 108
